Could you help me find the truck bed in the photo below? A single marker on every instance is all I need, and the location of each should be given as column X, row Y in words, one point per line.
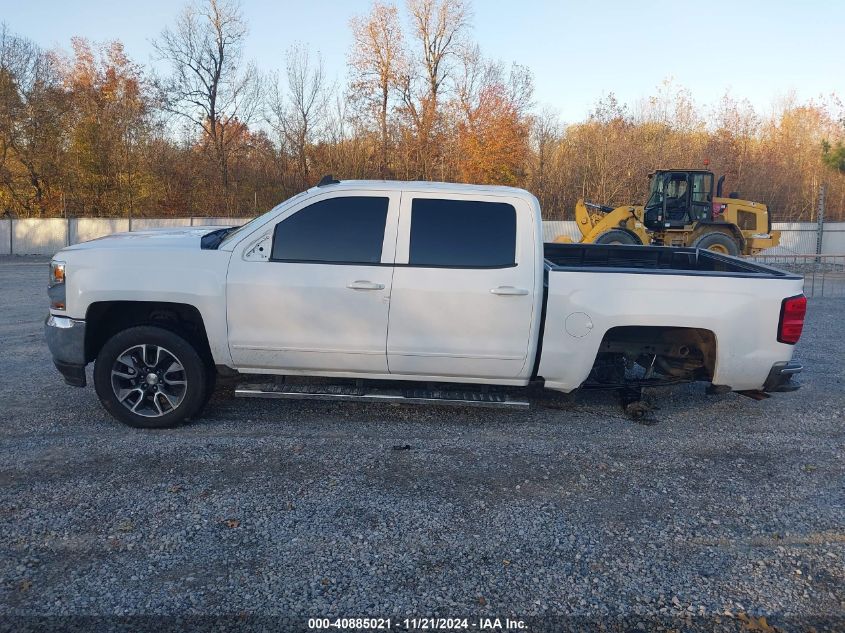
column 593, row 291
column 653, row 259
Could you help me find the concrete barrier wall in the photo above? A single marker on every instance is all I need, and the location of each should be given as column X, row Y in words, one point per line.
column 219, row 221
column 85, row 229
column 833, row 240
column 795, row 238
column 553, row 228
column 37, row 236
column 5, row 237
column 40, row 236
column 799, row 238
column 143, row 224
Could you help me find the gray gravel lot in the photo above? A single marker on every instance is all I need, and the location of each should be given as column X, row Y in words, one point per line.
column 724, row 511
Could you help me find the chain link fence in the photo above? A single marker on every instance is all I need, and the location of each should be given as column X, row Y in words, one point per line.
column 824, row 275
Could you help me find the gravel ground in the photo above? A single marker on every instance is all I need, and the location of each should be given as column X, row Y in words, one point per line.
column 266, row 513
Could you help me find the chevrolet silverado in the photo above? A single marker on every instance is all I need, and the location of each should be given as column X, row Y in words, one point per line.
column 400, row 291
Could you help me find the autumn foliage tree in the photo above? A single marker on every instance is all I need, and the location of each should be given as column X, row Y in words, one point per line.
column 32, row 131
column 106, row 122
column 93, row 132
column 493, row 124
column 377, row 61
column 437, row 37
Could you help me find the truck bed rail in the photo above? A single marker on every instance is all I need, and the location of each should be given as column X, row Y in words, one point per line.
column 653, row 259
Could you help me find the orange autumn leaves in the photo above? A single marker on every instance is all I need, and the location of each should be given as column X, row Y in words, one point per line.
column 91, row 132
column 492, row 140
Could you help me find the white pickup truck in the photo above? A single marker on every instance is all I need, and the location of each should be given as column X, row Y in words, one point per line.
column 397, row 290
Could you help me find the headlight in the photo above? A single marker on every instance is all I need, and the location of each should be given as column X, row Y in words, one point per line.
column 56, row 289
column 57, row 273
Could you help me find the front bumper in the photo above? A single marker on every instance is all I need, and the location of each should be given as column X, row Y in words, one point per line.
column 66, row 340
column 780, row 377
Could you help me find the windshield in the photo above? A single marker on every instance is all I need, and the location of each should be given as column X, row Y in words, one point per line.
column 239, row 229
column 655, row 194
column 672, row 185
column 246, row 227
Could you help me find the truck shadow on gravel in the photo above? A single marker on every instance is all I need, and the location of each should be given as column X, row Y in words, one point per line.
column 225, row 408
column 663, row 406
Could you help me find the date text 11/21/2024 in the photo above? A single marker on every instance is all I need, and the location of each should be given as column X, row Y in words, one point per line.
column 418, row 624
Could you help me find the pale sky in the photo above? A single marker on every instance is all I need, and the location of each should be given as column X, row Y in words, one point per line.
column 578, row 51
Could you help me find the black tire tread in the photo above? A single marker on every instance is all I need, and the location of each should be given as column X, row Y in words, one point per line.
column 717, row 237
column 196, row 369
column 618, row 235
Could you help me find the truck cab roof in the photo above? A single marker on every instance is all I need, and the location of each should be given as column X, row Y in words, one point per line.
column 419, row 185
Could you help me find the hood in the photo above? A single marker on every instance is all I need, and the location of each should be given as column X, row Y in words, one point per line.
column 182, row 237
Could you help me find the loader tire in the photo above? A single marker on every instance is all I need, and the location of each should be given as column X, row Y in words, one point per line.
column 718, row 242
column 618, row 236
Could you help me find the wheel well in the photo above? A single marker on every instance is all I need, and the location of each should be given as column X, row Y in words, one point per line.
column 680, row 349
column 104, row 319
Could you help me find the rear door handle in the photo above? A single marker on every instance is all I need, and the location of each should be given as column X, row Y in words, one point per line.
column 508, row 290
column 362, row 284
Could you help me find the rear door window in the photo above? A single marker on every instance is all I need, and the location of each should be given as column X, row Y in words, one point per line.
column 348, row 230
column 462, row 234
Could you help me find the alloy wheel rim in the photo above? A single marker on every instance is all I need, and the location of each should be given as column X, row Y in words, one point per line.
column 149, row 380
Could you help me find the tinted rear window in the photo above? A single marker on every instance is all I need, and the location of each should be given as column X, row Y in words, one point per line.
column 462, row 233
column 338, row 230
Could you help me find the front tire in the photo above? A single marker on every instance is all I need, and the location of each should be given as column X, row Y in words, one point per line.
column 149, row 377
column 618, row 236
column 718, row 242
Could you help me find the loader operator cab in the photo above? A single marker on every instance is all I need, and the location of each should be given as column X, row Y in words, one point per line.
column 678, row 198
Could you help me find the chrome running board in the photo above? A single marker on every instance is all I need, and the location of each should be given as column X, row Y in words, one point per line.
column 345, row 393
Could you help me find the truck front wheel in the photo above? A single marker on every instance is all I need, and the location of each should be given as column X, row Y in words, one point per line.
column 150, row 377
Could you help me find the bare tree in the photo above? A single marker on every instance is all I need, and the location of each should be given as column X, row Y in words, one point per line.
column 209, row 84
column 546, row 133
column 736, row 126
column 439, row 27
column 477, row 73
column 298, row 114
column 377, row 60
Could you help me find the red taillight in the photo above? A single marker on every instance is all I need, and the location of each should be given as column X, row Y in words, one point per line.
column 792, row 312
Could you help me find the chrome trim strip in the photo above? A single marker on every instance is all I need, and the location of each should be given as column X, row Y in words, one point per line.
column 373, row 397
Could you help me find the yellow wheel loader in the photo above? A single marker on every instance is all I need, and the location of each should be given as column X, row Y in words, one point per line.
column 681, row 210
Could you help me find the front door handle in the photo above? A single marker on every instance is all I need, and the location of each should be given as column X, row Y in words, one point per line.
column 362, row 284
column 508, row 291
